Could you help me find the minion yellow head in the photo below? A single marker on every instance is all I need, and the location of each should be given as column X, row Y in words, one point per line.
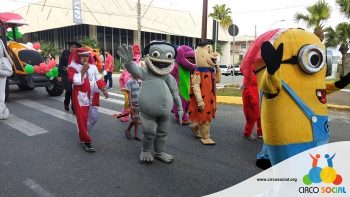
column 303, row 64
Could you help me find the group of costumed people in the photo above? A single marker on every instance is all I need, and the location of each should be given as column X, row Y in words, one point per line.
column 284, row 93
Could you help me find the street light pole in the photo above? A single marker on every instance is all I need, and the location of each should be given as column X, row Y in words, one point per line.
column 204, row 20
column 139, row 22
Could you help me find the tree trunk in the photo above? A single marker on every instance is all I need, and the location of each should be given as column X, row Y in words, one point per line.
column 319, row 33
column 343, row 50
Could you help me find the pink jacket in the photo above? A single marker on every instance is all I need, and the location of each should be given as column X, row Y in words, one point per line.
column 124, row 77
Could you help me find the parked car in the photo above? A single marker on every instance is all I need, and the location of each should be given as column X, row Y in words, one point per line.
column 225, row 70
column 237, row 70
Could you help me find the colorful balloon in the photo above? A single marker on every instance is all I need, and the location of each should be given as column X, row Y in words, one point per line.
column 29, row 69
column 52, row 63
column 55, row 72
column 43, row 68
column 36, row 69
column 36, row 46
column 49, row 74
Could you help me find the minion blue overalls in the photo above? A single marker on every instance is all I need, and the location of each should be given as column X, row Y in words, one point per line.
column 278, row 153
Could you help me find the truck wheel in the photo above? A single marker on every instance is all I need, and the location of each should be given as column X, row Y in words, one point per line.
column 54, row 89
column 23, row 86
column 6, row 91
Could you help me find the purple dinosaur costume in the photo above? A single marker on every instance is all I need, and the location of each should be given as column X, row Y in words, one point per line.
column 184, row 67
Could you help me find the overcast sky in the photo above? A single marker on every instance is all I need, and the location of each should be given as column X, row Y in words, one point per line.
column 246, row 14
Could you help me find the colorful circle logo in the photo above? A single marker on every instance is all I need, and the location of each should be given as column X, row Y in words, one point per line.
column 326, row 175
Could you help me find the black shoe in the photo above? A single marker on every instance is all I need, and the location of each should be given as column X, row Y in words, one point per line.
column 87, row 147
column 263, row 163
column 66, row 107
column 127, row 134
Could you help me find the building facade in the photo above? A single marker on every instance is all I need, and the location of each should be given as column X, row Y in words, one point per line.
column 113, row 23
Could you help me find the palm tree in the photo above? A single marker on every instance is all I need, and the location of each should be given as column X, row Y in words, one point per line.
column 344, row 6
column 89, row 42
column 49, row 48
column 222, row 14
column 339, row 36
column 318, row 13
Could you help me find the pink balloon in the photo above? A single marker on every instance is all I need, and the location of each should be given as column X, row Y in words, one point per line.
column 43, row 68
column 36, row 69
column 36, row 46
column 52, row 63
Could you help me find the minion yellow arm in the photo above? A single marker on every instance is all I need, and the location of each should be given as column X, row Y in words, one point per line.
column 271, row 83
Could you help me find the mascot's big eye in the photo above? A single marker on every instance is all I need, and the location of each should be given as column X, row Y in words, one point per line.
column 311, row 58
column 169, row 55
column 155, row 54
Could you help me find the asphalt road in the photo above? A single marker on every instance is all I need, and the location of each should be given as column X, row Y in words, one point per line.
column 41, row 153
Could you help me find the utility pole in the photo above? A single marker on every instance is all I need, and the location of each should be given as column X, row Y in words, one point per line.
column 204, row 20
column 139, row 23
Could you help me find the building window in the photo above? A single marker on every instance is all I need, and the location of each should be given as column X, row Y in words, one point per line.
column 243, row 45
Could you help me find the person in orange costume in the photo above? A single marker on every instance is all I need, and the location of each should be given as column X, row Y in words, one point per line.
column 203, row 92
column 250, row 99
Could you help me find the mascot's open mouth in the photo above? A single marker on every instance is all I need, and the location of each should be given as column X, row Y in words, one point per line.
column 321, row 95
column 159, row 66
column 213, row 60
column 160, row 63
column 191, row 59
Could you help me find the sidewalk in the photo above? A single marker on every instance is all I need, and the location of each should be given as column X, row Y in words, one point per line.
column 338, row 100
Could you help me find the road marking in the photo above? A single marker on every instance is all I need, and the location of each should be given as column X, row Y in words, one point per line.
column 48, row 110
column 24, row 126
column 115, row 94
column 345, row 90
column 100, row 109
column 37, row 188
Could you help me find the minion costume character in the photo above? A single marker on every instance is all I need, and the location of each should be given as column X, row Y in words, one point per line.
column 290, row 69
column 203, row 92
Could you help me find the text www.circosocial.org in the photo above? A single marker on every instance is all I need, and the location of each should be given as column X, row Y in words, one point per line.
column 277, row 179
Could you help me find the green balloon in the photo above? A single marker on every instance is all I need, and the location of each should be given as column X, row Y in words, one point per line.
column 29, row 69
column 55, row 69
column 55, row 72
column 19, row 34
column 9, row 34
column 49, row 74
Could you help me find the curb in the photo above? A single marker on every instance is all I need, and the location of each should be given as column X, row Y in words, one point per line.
column 237, row 100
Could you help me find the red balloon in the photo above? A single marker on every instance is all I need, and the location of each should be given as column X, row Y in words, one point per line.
column 43, row 67
column 36, row 69
column 52, row 63
column 36, row 46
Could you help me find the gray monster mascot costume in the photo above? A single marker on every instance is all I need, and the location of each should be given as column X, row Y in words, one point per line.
column 158, row 91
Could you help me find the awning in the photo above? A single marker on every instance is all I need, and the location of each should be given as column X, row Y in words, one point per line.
column 12, row 19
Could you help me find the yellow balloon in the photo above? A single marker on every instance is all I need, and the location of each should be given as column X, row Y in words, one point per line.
column 328, row 175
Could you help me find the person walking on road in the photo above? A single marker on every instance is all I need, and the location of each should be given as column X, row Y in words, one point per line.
column 109, row 66
column 133, row 87
column 83, row 73
column 63, row 74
